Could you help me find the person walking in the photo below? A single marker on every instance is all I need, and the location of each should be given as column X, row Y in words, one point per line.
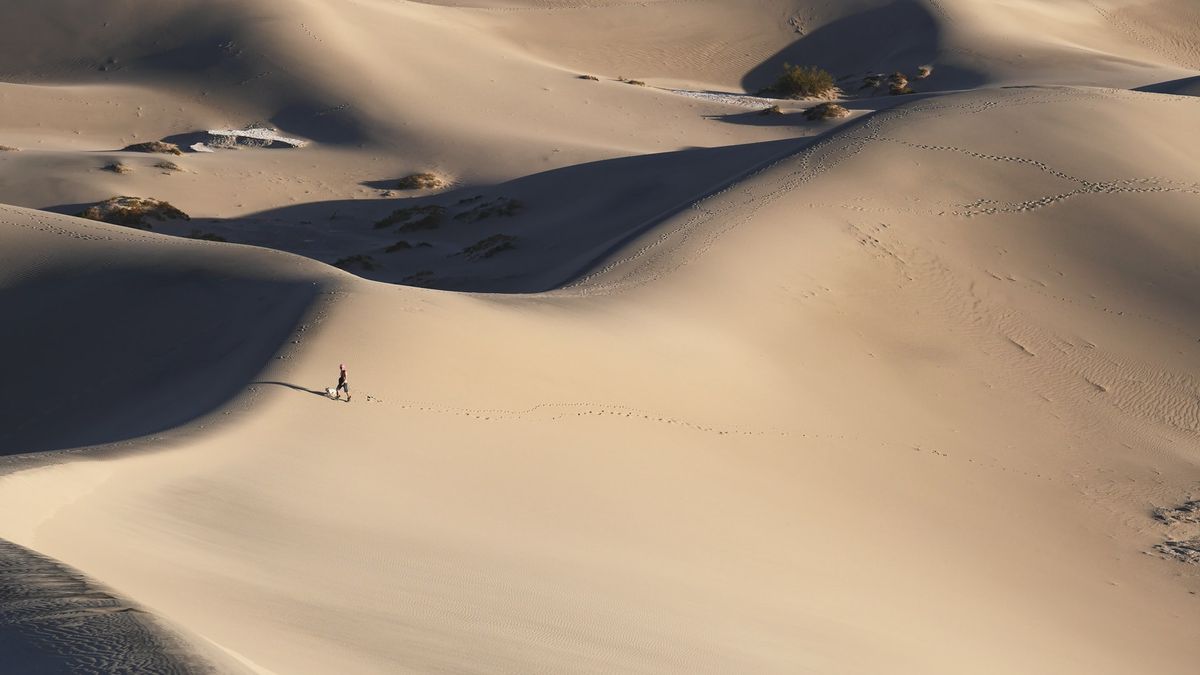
column 343, row 384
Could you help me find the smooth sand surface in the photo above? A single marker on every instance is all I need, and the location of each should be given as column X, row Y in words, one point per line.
column 895, row 393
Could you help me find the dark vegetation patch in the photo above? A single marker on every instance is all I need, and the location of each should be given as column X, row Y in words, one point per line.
column 154, row 146
column 418, row 278
column 636, row 83
column 773, row 110
column 361, row 261
column 9, row 148
column 133, row 211
column 1188, row 512
column 500, row 207
column 168, row 165
column 486, row 248
column 414, row 218
column 898, row 84
column 117, row 167
column 1183, row 551
column 589, row 77
column 206, row 236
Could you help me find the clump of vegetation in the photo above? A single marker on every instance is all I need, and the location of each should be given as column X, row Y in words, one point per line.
column 9, row 148
column 418, row 278
column 469, row 200
column 421, row 181
column 773, row 110
column 899, row 84
column 636, row 83
column 414, row 218
column 804, row 82
column 924, row 72
column 826, row 111
column 117, row 167
column 206, row 236
column 401, row 245
column 500, row 207
column 361, row 260
column 872, row 82
column 167, row 165
column 486, row 248
column 133, row 211
column 589, row 77
column 154, row 146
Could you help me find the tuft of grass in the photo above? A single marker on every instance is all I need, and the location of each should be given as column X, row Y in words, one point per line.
column 168, row 165
column 924, row 72
column 421, row 181
column 154, row 146
column 413, row 218
column 773, row 110
column 117, row 167
column 206, row 236
column 872, row 82
column 9, row 148
column 401, row 245
column 501, row 207
column 826, row 111
column 133, row 211
column 361, row 260
column 589, row 77
column 486, row 248
column 899, row 84
column 804, row 82
column 636, row 83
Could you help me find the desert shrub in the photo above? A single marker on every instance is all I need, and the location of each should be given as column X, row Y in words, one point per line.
column 154, row 146
column 924, row 72
column 363, row 261
column 9, row 148
column 899, row 84
column 636, row 83
column 206, row 236
column 826, row 111
column 167, row 165
column 401, row 245
column 413, row 218
column 133, row 211
column 418, row 277
column 499, row 207
column 804, row 82
column 872, row 82
column 421, row 181
column 116, row 167
column 486, row 248
column 589, row 77
column 773, row 110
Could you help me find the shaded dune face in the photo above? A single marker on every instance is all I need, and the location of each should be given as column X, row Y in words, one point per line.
column 55, row 620
column 102, row 355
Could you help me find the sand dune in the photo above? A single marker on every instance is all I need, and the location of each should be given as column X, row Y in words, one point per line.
column 896, row 393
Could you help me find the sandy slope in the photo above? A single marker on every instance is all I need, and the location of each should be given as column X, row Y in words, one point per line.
column 901, row 401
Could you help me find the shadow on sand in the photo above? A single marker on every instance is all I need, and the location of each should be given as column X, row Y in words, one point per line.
column 289, row 385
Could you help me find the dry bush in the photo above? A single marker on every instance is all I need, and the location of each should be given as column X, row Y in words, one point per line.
column 486, row 248
column 361, row 260
column 804, row 82
column 401, row 245
column 167, row 165
column 206, row 236
column 9, row 148
column 899, row 84
column 421, row 181
column 117, row 167
column 412, row 218
column 133, row 211
column 589, row 77
column 154, row 146
column 826, row 111
column 502, row 207
column 872, row 82
column 636, row 83
column 924, row 72
column 773, row 110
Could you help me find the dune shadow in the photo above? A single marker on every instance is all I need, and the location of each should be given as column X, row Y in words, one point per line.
column 529, row 234
column 900, row 35
column 100, row 354
column 1184, row 86
column 295, row 387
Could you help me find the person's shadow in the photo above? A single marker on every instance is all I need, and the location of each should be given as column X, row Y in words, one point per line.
column 289, row 385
